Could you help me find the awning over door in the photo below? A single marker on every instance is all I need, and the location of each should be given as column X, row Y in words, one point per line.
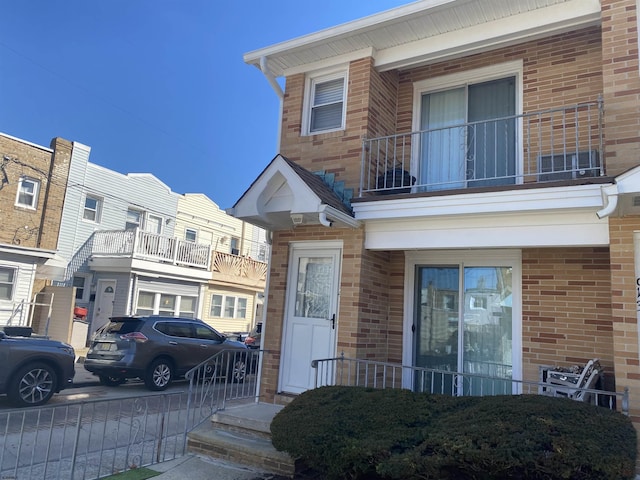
column 285, row 195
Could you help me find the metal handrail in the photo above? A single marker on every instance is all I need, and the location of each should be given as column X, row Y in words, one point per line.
column 375, row 374
column 546, row 145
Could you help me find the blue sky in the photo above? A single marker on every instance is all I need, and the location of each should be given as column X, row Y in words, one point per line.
column 156, row 86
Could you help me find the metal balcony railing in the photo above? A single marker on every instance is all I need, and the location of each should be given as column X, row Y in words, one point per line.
column 136, row 243
column 549, row 145
column 495, row 380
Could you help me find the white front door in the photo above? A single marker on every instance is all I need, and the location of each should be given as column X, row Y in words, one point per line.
column 105, row 295
column 311, row 321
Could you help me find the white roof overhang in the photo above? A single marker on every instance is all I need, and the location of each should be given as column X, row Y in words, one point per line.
column 426, row 31
column 553, row 216
column 49, row 264
column 279, row 200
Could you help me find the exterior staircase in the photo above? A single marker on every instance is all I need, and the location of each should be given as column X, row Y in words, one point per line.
column 241, row 434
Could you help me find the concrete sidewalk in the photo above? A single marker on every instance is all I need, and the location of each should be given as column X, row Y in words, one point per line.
column 194, row 467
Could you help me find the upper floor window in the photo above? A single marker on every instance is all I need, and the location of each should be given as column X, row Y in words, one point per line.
column 92, row 208
column 7, row 282
column 326, row 98
column 154, row 224
column 27, row 195
column 134, row 219
column 235, row 246
column 191, row 235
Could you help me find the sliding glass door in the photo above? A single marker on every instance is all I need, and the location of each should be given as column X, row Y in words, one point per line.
column 464, row 323
column 469, row 137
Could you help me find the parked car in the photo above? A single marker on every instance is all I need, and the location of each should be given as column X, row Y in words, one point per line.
column 158, row 349
column 253, row 339
column 34, row 368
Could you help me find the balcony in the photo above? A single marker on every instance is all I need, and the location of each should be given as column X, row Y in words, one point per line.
column 150, row 246
column 235, row 269
column 560, row 144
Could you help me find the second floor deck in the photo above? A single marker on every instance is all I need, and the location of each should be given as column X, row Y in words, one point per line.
column 559, row 144
column 137, row 244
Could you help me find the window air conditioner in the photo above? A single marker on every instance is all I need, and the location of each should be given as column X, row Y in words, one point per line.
column 568, row 166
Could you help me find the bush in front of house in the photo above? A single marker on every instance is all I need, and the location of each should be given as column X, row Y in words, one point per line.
column 358, row 433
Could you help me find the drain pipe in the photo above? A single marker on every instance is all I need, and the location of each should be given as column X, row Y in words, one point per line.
column 609, row 200
column 264, row 67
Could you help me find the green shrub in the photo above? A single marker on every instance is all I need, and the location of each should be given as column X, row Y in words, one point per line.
column 349, row 432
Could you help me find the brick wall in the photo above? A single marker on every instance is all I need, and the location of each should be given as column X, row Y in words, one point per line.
column 37, row 228
column 364, row 326
column 371, row 111
column 621, row 84
column 624, row 309
column 566, row 308
column 557, row 71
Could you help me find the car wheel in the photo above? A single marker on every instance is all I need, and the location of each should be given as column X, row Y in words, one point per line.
column 238, row 369
column 32, row 385
column 159, row 374
column 110, row 381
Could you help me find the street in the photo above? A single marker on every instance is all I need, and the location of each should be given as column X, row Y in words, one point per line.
column 93, row 429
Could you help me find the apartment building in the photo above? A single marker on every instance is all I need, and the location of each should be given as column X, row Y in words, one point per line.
column 457, row 187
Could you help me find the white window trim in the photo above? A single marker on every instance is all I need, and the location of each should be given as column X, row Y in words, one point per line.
column 310, row 82
column 14, row 284
column 513, row 68
column 473, row 258
column 223, row 306
column 98, row 209
column 36, row 193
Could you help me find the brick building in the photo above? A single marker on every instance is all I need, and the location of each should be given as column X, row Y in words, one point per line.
column 457, row 188
column 33, row 182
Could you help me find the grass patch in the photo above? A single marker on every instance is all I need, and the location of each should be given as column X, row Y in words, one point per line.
column 134, row 474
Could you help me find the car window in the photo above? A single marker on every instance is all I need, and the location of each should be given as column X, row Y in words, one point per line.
column 205, row 333
column 174, row 329
column 122, row 326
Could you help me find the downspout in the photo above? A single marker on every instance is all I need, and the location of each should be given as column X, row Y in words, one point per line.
column 609, row 200
column 322, row 217
column 264, row 67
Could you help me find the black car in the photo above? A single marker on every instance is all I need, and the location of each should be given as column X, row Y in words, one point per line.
column 158, row 349
column 34, row 368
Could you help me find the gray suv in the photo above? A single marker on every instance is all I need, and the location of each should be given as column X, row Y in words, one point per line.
column 158, row 349
column 34, row 368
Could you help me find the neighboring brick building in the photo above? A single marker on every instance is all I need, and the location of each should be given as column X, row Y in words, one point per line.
column 489, row 160
column 33, row 182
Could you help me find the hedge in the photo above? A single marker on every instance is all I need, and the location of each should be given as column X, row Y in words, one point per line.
column 358, row 433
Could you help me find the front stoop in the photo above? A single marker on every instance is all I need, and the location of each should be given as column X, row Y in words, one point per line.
column 242, row 435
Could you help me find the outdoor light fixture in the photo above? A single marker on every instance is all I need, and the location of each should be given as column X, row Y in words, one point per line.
column 296, row 218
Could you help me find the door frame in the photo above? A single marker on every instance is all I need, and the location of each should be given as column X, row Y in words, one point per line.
column 309, row 247
column 468, row 258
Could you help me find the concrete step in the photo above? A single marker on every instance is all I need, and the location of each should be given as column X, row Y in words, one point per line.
column 242, row 435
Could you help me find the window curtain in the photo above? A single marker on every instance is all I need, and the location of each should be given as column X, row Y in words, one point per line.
column 443, row 155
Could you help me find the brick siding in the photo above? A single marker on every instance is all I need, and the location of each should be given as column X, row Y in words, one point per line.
column 37, row 228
